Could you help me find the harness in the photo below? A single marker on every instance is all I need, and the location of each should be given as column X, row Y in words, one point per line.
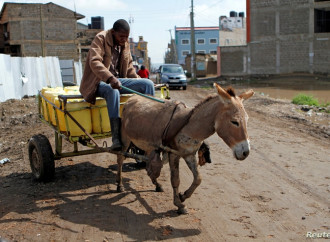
column 170, row 130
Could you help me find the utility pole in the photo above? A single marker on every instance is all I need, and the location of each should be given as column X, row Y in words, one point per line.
column 192, row 40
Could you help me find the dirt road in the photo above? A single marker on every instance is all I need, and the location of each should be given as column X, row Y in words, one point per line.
column 281, row 192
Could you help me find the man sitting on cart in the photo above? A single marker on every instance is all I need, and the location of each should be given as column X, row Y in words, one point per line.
column 108, row 60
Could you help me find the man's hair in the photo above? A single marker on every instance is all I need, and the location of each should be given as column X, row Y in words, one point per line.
column 143, row 67
column 121, row 25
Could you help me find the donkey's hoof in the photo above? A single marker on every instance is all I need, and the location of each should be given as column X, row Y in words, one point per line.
column 159, row 189
column 182, row 210
column 120, row 189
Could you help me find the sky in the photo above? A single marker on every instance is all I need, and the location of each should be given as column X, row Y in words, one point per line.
column 155, row 20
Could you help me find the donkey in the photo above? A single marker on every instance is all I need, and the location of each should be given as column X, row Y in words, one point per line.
column 144, row 122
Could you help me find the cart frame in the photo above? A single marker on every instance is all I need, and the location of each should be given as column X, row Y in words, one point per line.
column 40, row 152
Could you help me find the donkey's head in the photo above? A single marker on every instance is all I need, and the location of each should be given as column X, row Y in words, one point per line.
column 231, row 121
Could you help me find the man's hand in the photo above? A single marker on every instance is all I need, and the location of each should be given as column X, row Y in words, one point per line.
column 115, row 83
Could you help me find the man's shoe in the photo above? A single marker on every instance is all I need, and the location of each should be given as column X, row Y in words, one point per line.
column 115, row 131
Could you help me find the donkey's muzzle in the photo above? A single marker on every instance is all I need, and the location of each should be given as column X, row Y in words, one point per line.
column 242, row 150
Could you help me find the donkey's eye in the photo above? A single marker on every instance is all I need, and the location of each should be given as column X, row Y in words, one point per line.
column 235, row 123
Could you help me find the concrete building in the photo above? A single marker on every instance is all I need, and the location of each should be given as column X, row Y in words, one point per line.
column 139, row 51
column 206, row 41
column 282, row 37
column 39, row 30
column 232, row 30
column 86, row 34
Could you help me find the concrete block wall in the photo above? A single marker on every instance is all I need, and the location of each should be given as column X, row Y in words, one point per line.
column 263, row 24
column 294, row 55
column 233, row 60
column 283, row 40
column 262, row 57
column 321, row 53
column 64, row 52
column 58, row 27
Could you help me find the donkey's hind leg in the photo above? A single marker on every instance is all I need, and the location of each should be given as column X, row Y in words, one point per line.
column 119, row 180
column 154, row 167
column 192, row 164
column 175, row 181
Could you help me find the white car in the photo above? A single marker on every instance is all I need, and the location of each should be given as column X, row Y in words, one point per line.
column 173, row 75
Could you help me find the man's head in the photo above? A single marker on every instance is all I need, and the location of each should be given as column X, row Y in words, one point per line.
column 120, row 31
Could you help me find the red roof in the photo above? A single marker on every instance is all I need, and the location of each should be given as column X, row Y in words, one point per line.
column 196, row 28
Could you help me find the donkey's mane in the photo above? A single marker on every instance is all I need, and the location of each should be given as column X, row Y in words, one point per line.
column 229, row 90
column 208, row 98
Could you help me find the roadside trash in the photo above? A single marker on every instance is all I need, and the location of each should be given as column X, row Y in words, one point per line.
column 3, row 161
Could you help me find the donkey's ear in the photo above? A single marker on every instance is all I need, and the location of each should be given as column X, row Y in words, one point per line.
column 247, row 95
column 223, row 94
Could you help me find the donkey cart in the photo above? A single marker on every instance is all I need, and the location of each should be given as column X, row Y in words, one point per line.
column 73, row 119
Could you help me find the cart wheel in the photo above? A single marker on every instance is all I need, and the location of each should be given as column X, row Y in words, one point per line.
column 41, row 158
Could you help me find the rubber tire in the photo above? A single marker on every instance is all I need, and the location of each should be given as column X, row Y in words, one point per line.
column 41, row 158
column 184, row 87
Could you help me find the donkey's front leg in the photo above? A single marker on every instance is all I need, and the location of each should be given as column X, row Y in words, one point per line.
column 175, row 181
column 192, row 164
column 119, row 180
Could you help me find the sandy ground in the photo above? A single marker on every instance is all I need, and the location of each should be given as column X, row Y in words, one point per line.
column 281, row 192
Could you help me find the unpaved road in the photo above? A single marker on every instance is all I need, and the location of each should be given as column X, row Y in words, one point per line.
column 279, row 193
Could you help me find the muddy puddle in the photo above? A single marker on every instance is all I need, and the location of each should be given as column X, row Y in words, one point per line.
column 287, row 87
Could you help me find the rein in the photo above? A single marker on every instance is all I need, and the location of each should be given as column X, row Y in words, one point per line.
column 141, row 94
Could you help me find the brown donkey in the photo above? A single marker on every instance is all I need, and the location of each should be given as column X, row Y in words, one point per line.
column 144, row 123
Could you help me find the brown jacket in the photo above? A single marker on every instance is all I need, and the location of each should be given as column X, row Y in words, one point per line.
column 98, row 64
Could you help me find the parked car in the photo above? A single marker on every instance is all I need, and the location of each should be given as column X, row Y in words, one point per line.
column 173, row 75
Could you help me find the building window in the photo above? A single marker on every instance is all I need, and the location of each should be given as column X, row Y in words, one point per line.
column 213, row 52
column 201, row 52
column 322, row 21
column 185, row 41
column 185, row 52
column 213, row 41
column 200, row 41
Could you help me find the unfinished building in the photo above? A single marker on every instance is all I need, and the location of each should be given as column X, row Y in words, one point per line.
column 282, row 37
column 39, row 30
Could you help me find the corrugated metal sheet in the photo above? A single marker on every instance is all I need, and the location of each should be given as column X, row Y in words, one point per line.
column 71, row 71
column 20, row 76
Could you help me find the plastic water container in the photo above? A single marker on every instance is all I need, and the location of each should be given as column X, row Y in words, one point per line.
column 123, row 99
column 51, row 95
column 72, row 89
column 100, row 117
column 44, row 103
column 80, row 110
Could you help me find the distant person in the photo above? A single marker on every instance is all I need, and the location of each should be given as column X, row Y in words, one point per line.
column 108, row 60
column 143, row 72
